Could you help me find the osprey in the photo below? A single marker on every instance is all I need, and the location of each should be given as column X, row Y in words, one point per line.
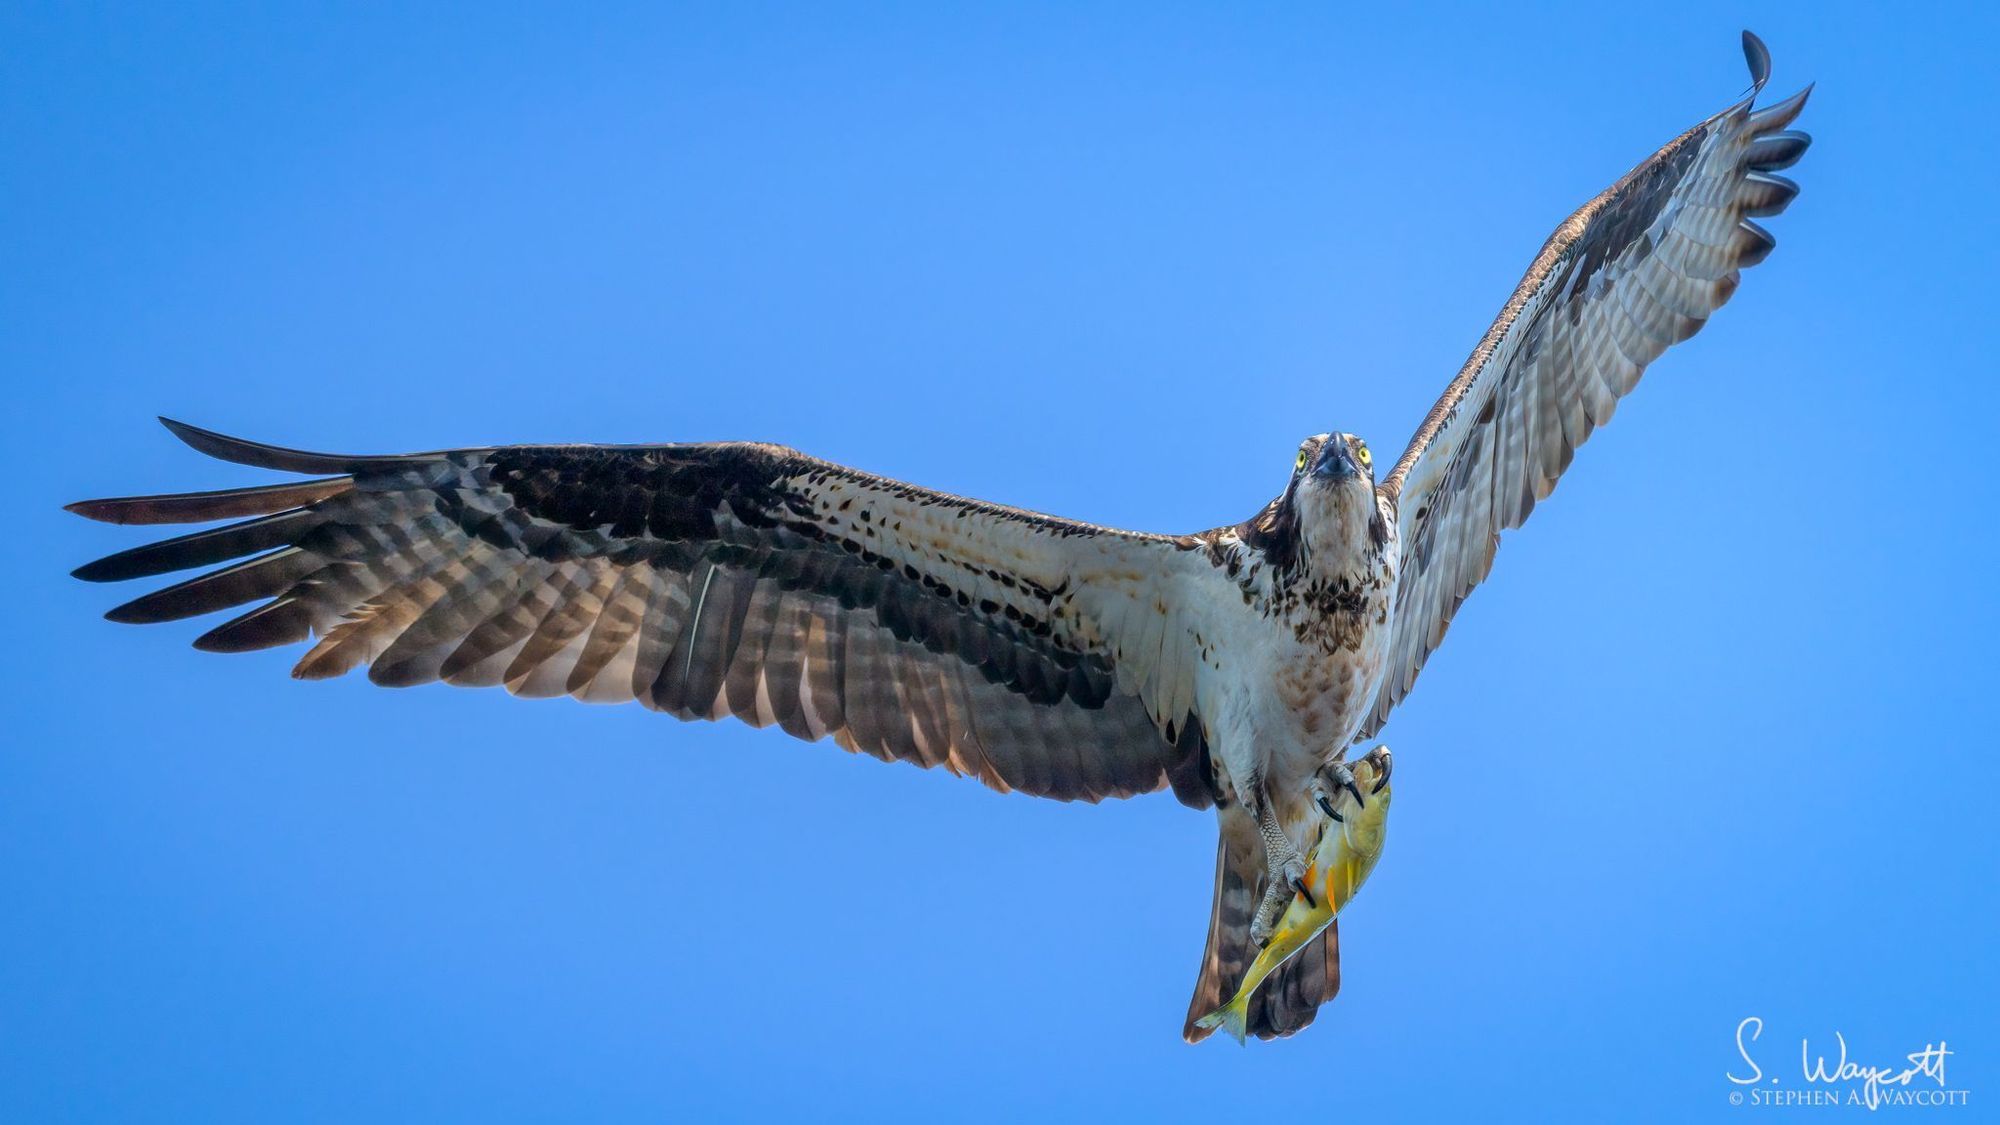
column 1038, row 654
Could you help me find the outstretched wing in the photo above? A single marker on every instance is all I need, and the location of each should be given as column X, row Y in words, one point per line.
column 1636, row 270
column 703, row 581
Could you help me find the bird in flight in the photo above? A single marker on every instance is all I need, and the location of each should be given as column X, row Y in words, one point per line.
column 1233, row 666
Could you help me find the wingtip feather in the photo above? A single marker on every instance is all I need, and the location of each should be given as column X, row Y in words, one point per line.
column 1774, row 152
column 257, row 454
column 285, row 621
column 97, row 571
column 1758, row 56
column 204, row 507
column 1777, row 115
column 203, row 548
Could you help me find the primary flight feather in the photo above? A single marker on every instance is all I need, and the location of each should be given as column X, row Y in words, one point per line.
column 1233, row 666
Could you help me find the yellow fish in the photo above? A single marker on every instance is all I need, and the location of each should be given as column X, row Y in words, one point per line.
column 1349, row 844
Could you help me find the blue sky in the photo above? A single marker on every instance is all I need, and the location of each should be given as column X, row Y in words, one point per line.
column 1716, row 739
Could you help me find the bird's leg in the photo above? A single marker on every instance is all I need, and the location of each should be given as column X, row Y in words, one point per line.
column 1284, row 869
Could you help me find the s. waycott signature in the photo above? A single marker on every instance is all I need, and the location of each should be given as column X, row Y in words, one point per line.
column 1872, row 1086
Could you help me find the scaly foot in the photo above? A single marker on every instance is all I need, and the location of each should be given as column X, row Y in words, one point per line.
column 1284, row 876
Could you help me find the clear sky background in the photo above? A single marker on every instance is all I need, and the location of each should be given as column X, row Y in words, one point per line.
column 1716, row 740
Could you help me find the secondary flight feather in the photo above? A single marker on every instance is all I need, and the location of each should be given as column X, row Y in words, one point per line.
column 1233, row 666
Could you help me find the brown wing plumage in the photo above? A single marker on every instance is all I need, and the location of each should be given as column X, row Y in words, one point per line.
column 1636, row 270
column 703, row 581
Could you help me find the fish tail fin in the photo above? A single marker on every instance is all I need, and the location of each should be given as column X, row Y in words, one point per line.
column 1233, row 1017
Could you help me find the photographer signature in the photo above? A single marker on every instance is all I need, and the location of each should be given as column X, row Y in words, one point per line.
column 1927, row 1063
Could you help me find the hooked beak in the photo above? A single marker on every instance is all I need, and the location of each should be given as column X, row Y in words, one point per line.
column 1335, row 462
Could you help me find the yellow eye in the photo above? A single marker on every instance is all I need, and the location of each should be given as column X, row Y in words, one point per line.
column 1366, row 458
column 1300, row 464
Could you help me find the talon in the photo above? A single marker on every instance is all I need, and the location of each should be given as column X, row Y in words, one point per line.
column 1304, row 888
column 1356, row 790
column 1384, row 763
column 1326, row 806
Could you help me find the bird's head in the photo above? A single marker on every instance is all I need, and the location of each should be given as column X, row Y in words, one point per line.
column 1333, row 488
column 1334, row 466
column 1328, row 515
